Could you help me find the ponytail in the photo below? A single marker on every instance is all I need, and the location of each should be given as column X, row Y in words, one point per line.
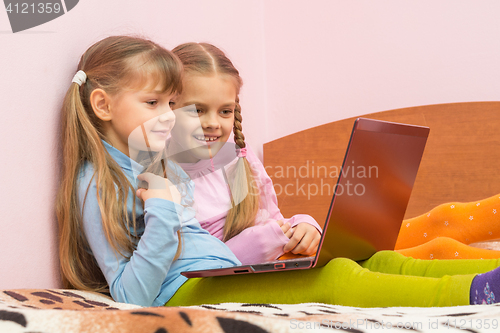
column 81, row 142
column 243, row 190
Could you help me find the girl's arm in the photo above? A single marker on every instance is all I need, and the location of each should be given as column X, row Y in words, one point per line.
column 258, row 244
column 139, row 278
column 266, row 238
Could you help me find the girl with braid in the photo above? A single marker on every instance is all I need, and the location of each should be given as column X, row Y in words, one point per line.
column 235, row 201
column 234, row 195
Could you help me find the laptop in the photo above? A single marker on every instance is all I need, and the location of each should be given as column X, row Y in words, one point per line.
column 369, row 200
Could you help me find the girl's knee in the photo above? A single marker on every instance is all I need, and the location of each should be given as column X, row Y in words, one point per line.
column 381, row 260
column 337, row 265
column 385, row 255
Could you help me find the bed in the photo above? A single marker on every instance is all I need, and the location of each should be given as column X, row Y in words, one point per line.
column 461, row 163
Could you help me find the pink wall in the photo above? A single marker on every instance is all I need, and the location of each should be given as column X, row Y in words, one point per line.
column 338, row 59
column 303, row 65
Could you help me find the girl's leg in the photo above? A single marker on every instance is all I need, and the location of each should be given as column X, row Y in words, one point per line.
column 447, row 248
column 483, row 288
column 465, row 222
column 391, row 262
column 341, row 281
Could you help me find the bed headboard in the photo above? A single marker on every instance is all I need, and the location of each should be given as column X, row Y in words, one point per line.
column 461, row 161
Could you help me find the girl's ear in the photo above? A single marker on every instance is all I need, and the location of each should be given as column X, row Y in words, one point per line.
column 100, row 102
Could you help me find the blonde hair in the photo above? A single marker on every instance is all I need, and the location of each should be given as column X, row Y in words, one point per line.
column 112, row 64
column 206, row 59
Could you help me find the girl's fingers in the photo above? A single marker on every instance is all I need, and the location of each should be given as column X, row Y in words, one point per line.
column 290, row 245
column 154, row 181
column 302, row 244
column 309, row 242
column 287, row 229
column 139, row 193
column 313, row 247
column 305, row 240
column 157, row 187
column 143, row 180
column 294, row 240
column 144, row 176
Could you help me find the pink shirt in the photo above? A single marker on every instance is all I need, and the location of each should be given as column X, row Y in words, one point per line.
column 260, row 243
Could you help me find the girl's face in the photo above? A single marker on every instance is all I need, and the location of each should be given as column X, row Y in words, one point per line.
column 141, row 120
column 205, row 117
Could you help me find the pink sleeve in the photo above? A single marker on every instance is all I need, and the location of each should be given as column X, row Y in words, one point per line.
column 258, row 244
column 265, row 241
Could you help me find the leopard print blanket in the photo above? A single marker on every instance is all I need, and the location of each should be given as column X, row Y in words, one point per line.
column 57, row 310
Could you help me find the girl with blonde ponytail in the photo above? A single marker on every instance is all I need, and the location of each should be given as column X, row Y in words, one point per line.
column 234, row 195
column 113, row 236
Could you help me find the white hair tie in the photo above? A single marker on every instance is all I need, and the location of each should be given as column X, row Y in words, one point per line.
column 80, row 78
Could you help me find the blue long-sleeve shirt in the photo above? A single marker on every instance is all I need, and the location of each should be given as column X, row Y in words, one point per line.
column 150, row 277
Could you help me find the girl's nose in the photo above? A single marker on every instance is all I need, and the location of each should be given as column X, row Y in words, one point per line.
column 210, row 120
column 169, row 115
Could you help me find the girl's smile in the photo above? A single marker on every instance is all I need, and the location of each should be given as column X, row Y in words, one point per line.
column 205, row 138
column 204, row 117
column 162, row 132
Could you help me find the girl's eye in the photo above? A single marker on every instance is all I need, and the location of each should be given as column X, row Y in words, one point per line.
column 171, row 103
column 191, row 110
column 152, row 103
column 227, row 112
column 194, row 111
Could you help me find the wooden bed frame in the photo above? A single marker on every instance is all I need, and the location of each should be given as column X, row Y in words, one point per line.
column 461, row 161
